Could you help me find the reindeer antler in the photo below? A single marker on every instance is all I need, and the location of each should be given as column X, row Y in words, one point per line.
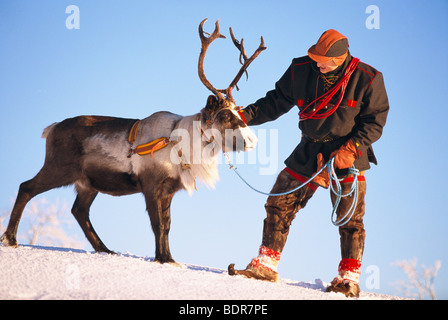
column 206, row 41
column 247, row 61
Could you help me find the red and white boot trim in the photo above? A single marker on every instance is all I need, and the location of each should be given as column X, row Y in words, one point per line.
column 349, row 270
column 267, row 259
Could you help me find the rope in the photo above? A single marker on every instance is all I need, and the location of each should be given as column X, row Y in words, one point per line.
column 333, row 178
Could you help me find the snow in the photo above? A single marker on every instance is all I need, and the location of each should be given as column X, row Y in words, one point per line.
column 50, row 273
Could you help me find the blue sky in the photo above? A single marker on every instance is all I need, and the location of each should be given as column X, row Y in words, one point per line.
column 133, row 58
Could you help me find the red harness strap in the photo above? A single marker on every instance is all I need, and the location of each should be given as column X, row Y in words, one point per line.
column 327, row 96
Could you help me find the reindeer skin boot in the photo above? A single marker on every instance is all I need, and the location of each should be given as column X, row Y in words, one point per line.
column 352, row 244
column 280, row 210
column 262, row 267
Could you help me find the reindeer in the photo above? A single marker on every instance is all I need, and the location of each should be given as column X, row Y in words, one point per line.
column 112, row 156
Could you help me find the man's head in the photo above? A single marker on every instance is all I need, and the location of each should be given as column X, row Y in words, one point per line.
column 330, row 51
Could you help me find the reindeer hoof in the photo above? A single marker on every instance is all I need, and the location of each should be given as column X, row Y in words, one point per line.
column 164, row 260
column 8, row 241
column 105, row 250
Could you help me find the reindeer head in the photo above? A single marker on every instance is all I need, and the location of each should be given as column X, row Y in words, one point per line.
column 220, row 112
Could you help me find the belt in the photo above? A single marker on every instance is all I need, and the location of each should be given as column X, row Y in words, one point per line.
column 324, row 140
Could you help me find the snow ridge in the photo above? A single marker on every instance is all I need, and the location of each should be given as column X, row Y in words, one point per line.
column 50, row 273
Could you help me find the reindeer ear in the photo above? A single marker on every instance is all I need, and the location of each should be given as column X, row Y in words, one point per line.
column 212, row 103
column 210, row 107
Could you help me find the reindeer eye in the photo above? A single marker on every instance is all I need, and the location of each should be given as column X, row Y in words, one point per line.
column 226, row 116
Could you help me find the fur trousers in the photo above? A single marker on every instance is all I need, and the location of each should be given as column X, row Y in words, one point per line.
column 281, row 211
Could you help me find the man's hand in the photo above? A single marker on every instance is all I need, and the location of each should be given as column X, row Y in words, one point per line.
column 345, row 156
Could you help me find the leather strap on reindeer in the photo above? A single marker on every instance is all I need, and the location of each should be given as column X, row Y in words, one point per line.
column 146, row 148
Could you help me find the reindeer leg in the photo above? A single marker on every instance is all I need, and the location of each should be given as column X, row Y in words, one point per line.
column 23, row 197
column 166, row 222
column 45, row 180
column 81, row 210
column 160, row 216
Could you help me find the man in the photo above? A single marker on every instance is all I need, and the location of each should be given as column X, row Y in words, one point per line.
column 343, row 108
